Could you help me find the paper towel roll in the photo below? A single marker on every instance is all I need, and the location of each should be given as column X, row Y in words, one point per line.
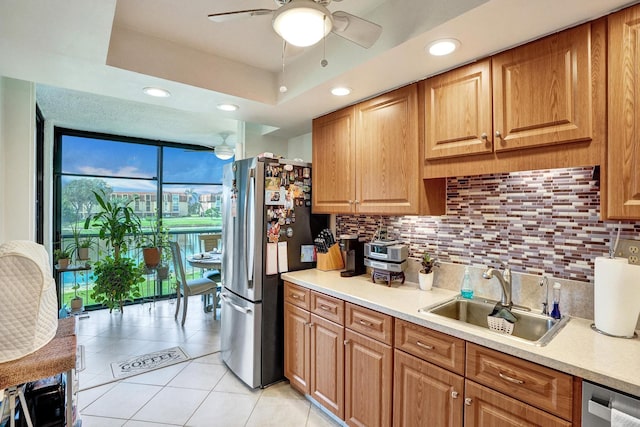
column 617, row 296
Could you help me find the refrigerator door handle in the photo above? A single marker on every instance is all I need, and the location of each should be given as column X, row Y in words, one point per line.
column 235, row 306
column 249, row 227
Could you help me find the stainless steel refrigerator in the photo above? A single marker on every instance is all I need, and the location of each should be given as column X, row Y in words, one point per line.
column 267, row 228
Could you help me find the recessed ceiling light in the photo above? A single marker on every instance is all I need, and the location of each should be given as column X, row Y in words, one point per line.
column 443, row 47
column 157, row 92
column 227, row 107
column 341, row 91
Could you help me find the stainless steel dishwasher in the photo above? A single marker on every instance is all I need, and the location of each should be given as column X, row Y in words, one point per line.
column 602, row 406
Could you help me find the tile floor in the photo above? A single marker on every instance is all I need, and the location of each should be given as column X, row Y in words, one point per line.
column 198, row 392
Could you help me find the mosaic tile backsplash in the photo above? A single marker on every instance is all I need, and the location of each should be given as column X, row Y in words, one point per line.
column 540, row 222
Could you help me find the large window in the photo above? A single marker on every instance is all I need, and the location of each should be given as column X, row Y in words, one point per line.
column 180, row 185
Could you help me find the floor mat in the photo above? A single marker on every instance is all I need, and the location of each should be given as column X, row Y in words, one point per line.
column 147, row 362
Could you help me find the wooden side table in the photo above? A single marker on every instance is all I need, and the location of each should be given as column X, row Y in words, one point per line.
column 57, row 356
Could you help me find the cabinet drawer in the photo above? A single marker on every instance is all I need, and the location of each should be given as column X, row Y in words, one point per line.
column 529, row 382
column 370, row 323
column 435, row 347
column 296, row 295
column 330, row 308
column 490, row 408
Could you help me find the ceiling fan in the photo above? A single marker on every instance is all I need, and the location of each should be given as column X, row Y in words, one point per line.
column 305, row 22
column 224, row 151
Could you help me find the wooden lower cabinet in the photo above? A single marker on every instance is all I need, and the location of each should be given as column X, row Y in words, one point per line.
column 368, row 381
column 327, row 364
column 424, row 394
column 488, row 408
column 296, row 347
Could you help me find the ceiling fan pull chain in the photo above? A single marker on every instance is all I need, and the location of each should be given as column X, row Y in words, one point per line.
column 283, row 87
column 324, row 61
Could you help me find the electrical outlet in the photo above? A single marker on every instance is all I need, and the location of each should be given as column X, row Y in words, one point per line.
column 629, row 249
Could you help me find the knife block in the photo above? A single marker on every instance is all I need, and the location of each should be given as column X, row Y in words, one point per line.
column 332, row 260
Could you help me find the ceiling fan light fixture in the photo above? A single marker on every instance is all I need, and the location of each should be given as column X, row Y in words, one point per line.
column 340, row 91
column 156, row 91
column 443, row 47
column 228, row 107
column 224, row 151
column 302, row 22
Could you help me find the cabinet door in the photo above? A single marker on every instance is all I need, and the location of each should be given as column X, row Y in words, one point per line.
column 296, row 347
column 327, row 364
column 623, row 183
column 368, row 381
column 334, row 161
column 542, row 92
column 387, row 162
column 487, row 408
column 458, row 116
column 425, row 395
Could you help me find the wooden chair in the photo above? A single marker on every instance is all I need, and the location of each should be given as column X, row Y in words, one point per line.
column 209, row 242
column 185, row 288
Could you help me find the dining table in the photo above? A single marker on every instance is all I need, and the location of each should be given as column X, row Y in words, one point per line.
column 206, row 261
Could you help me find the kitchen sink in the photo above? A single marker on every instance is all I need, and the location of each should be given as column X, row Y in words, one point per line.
column 532, row 328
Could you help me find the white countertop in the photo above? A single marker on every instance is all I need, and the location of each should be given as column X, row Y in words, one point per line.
column 576, row 349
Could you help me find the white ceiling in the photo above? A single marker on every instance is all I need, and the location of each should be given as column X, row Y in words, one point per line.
column 91, row 58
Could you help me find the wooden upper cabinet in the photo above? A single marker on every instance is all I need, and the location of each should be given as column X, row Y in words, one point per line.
column 387, row 160
column 457, row 108
column 542, row 92
column 623, row 154
column 333, row 162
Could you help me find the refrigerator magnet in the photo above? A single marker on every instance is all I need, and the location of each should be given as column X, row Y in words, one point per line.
column 289, row 232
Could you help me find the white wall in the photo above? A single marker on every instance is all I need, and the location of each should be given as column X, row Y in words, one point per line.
column 256, row 143
column 300, row 148
column 17, row 160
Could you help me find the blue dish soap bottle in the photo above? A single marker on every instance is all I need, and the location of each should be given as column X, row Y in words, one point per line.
column 465, row 289
column 555, row 312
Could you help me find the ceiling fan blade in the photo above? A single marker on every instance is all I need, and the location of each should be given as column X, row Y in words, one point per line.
column 355, row 29
column 238, row 14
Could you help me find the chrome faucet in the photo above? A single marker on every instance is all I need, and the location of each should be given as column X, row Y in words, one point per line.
column 505, row 281
column 545, row 304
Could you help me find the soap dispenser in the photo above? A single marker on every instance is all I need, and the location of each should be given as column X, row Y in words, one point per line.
column 465, row 289
column 555, row 312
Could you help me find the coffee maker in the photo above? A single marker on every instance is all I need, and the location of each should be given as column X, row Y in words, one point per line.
column 353, row 253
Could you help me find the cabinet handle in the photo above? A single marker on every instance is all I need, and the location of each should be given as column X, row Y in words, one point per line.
column 454, row 394
column 484, row 136
column 346, row 342
column 357, row 202
column 425, row 346
column 350, row 202
column 365, row 323
column 310, row 325
column 510, row 379
column 467, row 401
column 325, row 307
column 294, row 296
column 499, row 135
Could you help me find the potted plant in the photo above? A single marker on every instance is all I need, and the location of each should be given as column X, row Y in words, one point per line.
column 62, row 257
column 116, row 281
column 425, row 275
column 117, row 277
column 155, row 244
column 80, row 245
column 82, row 250
column 75, row 302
